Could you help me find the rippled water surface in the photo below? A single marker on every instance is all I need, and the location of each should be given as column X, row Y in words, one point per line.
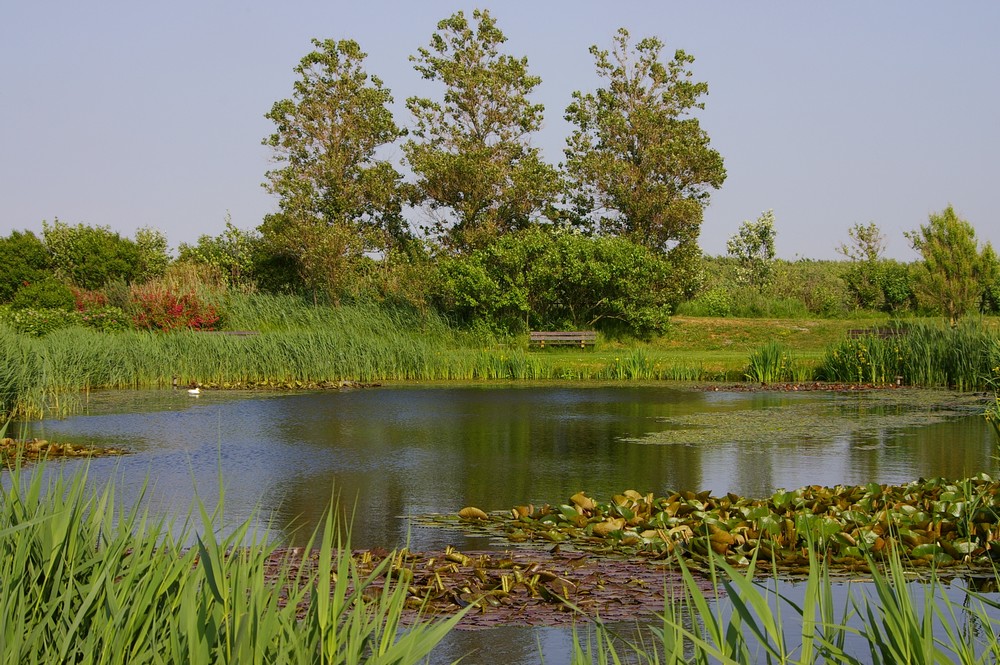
column 398, row 451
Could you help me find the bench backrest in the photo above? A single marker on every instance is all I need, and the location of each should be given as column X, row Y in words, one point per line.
column 578, row 336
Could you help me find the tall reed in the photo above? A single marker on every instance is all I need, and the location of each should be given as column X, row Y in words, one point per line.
column 965, row 357
column 84, row 580
column 748, row 620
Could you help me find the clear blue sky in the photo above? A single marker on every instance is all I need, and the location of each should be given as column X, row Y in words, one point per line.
column 130, row 114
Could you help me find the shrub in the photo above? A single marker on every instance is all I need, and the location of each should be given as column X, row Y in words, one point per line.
column 90, row 256
column 23, row 260
column 106, row 319
column 714, row 302
column 46, row 294
column 548, row 279
column 85, row 300
column 156, row 308
column 38, row 322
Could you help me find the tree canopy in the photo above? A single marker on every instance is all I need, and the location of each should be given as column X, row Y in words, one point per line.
column 639, row 163
column 470, row 150
column 753, row 248
column 954, row 274
column 337, row 198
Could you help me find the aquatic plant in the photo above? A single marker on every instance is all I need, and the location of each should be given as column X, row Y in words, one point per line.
column 749, row 620
column 85, row 580
column 924, row 354
column 930, row 522
column 770, row 363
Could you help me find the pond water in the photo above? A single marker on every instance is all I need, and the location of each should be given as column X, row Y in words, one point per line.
column 398, row 451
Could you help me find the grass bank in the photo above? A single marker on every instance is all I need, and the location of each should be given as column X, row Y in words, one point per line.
column 300, row 344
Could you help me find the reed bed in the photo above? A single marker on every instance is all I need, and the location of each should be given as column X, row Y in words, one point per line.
column 890, row 620
column 84, row 580
column 964, row 357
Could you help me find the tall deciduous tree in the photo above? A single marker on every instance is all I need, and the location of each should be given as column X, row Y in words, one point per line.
column 639, row 162
column 954, row 273
column 337, row 198
column 475, row 167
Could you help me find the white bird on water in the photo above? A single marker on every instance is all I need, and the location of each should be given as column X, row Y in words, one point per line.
column 194, row 391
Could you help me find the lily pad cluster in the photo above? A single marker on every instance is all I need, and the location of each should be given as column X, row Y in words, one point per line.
column 14, row 450
column 929, row 522
column 506, row 588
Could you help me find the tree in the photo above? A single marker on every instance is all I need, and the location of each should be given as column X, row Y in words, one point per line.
column 232, row 253
column 873, row 281
column 90, row 256
column 953, row 274
column 23, row 260
column 867, row 243
column 753, row 248
column 475, row 167
column 640, row 165
column 337, row 198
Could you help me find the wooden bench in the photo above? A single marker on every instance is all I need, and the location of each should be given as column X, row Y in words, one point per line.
column 579, row 338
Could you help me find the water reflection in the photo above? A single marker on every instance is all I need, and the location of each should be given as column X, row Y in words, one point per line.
column 399, row 451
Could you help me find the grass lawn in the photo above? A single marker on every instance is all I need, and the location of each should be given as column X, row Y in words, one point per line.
column 713, row 345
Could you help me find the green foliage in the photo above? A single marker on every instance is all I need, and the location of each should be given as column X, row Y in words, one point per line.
column 745, row 619
column 550, row 279
column 867, row 243
column 48, row 293
column 964, row 356
column 337, row 198
column 770, row 363
column 990, row 281
column 717, row 301
column 89, row 580
column 38, row 321
column 753, row 248
column 953, row 274
column 23, row 260
column 153, row 253
column 471, row 151
column 873, row 282
column 884, row 285
column 232, row 253
column 637, row 153
column 90, row 256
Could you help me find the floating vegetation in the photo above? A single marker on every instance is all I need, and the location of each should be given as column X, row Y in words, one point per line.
column 285, row 385
column 13, row 451
column 504, row 588
column 928, row 523
column 798, row 419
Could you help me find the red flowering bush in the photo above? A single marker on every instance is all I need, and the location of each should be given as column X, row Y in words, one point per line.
column 157, row 308
column 87, row 300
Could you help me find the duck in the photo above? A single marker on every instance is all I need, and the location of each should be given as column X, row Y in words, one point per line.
column 194, row 391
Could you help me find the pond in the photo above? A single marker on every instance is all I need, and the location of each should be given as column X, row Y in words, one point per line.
column 399, row 451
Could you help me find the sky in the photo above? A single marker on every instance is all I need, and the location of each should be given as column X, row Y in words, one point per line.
column 129, row 114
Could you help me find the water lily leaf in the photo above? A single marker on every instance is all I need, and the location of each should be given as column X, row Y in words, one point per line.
column 927, row 550
column 584, row 501
column 472, row 513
